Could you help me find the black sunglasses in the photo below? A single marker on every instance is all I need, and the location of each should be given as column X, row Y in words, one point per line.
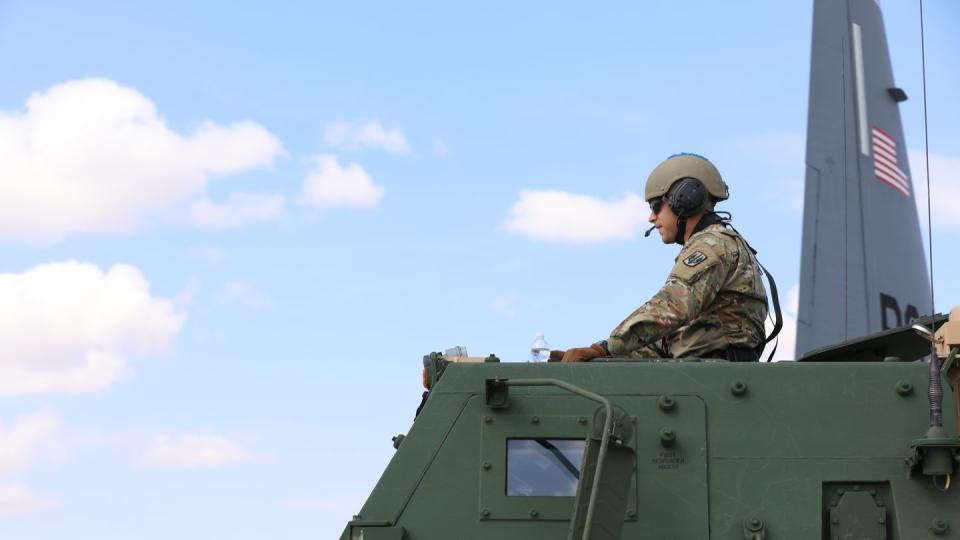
column 656, row 205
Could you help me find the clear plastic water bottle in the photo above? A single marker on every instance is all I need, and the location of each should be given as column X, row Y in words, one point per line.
column 539, row 351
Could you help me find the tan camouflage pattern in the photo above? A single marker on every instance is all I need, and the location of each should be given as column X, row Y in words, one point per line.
column 713, row 299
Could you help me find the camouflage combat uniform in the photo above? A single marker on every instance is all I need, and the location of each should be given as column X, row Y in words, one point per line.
column 713, row 299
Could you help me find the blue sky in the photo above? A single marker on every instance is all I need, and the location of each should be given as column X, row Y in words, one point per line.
column 231, row 230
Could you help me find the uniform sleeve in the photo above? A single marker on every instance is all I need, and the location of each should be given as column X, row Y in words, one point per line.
column 652, row 350
column 697, row 276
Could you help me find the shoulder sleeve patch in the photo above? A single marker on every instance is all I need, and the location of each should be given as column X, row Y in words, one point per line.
column 695, row 258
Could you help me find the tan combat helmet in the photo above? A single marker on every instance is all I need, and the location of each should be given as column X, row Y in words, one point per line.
column 684, row 165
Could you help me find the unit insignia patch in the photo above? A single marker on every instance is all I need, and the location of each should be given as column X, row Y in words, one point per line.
column 695, row 258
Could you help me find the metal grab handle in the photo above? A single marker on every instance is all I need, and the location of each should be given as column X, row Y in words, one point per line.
column 604, row 439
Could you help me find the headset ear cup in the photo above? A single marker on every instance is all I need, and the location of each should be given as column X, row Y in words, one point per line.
column 671, row 199
column 687, row 197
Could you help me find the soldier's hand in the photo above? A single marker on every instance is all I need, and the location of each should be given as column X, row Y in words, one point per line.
column 556, row 356
column 584, row 354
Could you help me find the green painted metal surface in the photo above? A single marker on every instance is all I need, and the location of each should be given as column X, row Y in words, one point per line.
column 722, row 451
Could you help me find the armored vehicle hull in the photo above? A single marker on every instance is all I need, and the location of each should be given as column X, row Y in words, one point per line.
column 800, row 450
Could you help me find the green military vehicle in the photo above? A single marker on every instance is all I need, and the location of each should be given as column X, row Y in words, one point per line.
column 855, row 440
column 834, row 446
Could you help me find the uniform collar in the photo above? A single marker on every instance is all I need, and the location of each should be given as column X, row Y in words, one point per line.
column 711, row 222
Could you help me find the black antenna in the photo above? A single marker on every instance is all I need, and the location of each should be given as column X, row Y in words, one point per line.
column 846, row 180
column 934, row 390
column 926, row 156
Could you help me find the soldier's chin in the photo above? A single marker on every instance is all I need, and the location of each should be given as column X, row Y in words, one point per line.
column 665, row 237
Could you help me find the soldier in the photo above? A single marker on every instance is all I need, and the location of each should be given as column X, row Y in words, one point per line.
column 713, row 304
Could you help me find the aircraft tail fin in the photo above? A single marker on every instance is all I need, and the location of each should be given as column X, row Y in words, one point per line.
column 863, row 267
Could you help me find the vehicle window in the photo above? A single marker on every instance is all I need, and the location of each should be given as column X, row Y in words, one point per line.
column 543, row 467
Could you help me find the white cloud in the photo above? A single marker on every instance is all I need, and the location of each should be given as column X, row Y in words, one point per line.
column 193, row 450
column 70, row 327
column 92, row 156
column 355, row 136
column 330, row 184
column 30, row 438
column 240, row 208
column 944, row 185
column 18, row 500
column 238, row 147
column 566, row 217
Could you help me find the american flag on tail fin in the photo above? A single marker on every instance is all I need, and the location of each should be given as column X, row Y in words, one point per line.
column 885, row 162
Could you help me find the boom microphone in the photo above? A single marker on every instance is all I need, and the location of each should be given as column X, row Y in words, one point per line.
column 650, row 230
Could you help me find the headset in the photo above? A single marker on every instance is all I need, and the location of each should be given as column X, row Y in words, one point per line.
column 687, row 197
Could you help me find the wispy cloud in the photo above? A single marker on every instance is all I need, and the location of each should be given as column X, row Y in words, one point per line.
column 330, row 184
column 346, row 135
column 70, row 327
column 193, row 450
column 240, row 291
column 93, row 156
column 30, row 438
column 186, row 295
column 239, row 208
column 559, row 216
column 19, row 500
